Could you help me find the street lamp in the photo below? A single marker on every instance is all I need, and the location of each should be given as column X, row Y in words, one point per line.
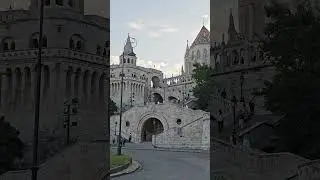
column 241, row 86
column 234, row 101
column 35, row 162
column 121, row 94
column 155, row 132
column 71, row 109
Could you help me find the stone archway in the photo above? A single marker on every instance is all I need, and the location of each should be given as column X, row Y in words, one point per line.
column 151, row 126
column 143, row 124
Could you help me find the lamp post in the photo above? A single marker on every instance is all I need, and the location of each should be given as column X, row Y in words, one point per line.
column 71, row 109
column 35, row 162
column 121, row 96
column 241, row 87
column 115, row 128
column 234, row 101
column 155, row 132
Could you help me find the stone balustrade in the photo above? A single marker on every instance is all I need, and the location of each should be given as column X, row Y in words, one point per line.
column 309, row 170
column 280, row 164
column 53, row 52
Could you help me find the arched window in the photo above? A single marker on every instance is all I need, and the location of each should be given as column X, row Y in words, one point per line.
column 79, row 45
column 13, row 46
column 192, row 56
column 59, row 2
column 44, row 42
column 198, row 54
column 76, row 42
column 5, row 46
column 205, row 55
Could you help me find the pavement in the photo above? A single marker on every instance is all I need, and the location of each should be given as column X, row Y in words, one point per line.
column 168, row 165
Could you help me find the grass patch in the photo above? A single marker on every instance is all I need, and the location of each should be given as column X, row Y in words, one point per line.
column 119, row 160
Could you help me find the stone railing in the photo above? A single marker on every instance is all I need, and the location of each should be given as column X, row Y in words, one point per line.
column 53, row 52
column 309, row 171
column 280, row 164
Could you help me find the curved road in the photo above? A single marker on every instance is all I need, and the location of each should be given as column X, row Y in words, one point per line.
column 160, row 165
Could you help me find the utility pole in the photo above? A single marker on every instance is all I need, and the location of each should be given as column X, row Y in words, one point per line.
column 35, row 162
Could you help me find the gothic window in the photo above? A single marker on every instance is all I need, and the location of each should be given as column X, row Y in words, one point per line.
column 13, row 46
column 44, row 42
column 205, row 55
column 127, row 123
column 192, row 56
column 79, row 46
column 47, row 2
column 59, row 2
column 198, row 54
column 5, row 46
column 35, row 43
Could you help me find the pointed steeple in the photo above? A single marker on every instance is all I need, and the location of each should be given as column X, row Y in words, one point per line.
column 128, row 49
column 203, row 37
column 232, row 33
column 182, row 71
column 187, row 49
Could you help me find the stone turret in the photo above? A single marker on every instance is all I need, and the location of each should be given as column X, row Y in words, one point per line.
column 128, row 56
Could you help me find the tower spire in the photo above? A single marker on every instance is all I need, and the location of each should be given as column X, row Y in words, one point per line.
column 232, row 33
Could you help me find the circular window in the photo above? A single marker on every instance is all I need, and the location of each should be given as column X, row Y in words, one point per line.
column 127, row 123
column 178, row 121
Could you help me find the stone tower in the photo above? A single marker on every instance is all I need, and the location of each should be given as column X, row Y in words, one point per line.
column 128, row 57
column 251, row 17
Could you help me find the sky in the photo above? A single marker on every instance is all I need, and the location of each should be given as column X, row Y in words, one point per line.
column 161, row 29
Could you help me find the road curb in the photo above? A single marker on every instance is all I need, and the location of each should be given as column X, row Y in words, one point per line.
column 170, row 150
column 124, row 172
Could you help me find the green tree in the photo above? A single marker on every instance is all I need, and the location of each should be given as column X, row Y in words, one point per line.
column 112, row 107
column 292, row 44
column 203, row 89
column 11, row 146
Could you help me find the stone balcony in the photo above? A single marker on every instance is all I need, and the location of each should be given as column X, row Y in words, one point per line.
column 18, row 55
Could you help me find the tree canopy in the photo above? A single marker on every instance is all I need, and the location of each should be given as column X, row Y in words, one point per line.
column 112, row 107
column 203, row 89
column 11, row 146
column 292, row 43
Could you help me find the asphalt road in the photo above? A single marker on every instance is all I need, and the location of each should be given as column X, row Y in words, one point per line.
column 166, row 165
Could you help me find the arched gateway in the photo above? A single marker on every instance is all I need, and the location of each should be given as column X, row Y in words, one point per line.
column 151, row 124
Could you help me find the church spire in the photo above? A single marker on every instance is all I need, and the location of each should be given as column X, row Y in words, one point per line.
column 128, row 49
column 182, row 71
column 187, row 49
column 232, row 33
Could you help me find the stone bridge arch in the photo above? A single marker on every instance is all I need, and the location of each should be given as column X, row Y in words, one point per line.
column 144, row 118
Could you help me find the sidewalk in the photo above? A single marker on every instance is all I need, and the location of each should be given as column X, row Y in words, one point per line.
column 132, row 168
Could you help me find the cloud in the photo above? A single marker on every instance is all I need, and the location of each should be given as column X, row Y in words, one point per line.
column 153, row 30
column 137, row 25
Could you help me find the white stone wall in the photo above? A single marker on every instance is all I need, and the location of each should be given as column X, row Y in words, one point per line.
column 194, row 125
